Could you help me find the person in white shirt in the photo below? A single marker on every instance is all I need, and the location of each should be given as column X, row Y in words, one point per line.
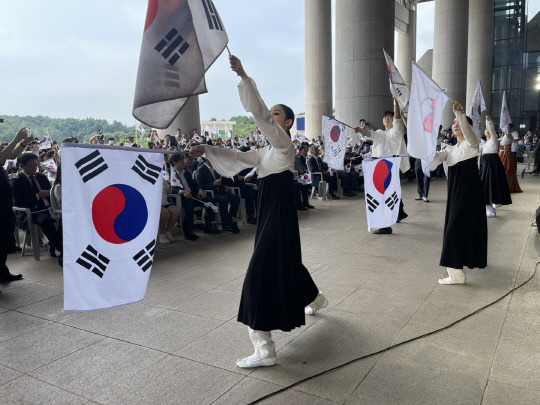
column 492, row 174
column 389, row 142
column 278, row 290
column 465, row 223
column 515, row 142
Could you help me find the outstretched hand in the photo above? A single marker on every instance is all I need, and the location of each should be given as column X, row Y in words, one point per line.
column 488, row 117
column 237, row 67
column 458, row 106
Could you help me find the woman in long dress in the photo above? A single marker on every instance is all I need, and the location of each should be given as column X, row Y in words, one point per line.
column 465, row 224
column 505, row 153
column 278, row 290
column 493, row 176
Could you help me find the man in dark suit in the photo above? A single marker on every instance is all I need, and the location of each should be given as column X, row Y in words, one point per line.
column 11, row 151
column 188, row 191
column 208, row 179
column 32, row 190
column 315, row 164
column 301, row 191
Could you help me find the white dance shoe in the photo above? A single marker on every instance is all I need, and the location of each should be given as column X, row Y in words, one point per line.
column 490, row 212
column 256, row 361
column 455, row 276
column 320, row 302
column 265, row 350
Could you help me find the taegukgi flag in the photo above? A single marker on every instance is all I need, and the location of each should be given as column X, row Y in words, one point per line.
column 426, row 107
column 47, row 141
column 111, row 201
column 334, row 134
column 382, row 190
column 181, row 40
column 505, row 115
column 398, row 87
column 478, row 105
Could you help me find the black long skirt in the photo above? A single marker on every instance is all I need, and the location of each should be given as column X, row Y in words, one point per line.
column 277, row 286
column 465, row 224
column 494, row 182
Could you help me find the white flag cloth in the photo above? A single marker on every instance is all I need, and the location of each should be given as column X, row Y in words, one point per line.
column 166, row 174
column 140, row 128
column 505, row 115
column 334, row 139
column 426, row 107
column 304, row 179
column 398, row 87
column 181, row 40
column 175, row 179
column 50, row 169
column 47, row 142
column 382, row 190
column 111, row 201
column 478, row 105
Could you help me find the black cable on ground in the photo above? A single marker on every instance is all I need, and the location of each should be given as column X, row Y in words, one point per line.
column 397, row 344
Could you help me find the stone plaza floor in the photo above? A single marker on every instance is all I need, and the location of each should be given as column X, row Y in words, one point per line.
column 179, row 345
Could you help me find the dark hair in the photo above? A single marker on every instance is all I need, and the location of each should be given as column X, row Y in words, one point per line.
column 388, row 112
column 27, row 157
column 362, row 119
column 289, row 115
column 176, row 157
column 302, row 147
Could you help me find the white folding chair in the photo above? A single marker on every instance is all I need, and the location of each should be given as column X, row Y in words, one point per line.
column 242, row 206
column 33, row 231
column 322, row 188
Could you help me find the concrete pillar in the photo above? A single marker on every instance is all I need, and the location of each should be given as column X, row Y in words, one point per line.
column 188, row 119
column 450, row 51
column 318, row 64
column 363, row 29
column 407, row 48
column 480, row 49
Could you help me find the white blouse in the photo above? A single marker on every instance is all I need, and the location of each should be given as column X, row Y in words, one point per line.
column 468, row 148
column 391, row 142
column 275, row 158
column 491, row 146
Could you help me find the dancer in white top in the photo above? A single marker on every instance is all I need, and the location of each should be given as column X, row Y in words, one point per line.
column 278, row 290
column 465, row 224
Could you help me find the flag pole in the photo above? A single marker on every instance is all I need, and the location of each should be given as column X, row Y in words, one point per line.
column 227, row 47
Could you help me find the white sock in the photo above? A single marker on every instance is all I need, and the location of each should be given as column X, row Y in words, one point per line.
column 319, row 302
column 455, row 276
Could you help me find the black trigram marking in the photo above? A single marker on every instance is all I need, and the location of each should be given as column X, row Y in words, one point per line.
column 147, row 171
column 175, row 49
column 145, row 256
column 92, row 260
column 91, row 165
column 214, row 22
column 392, row 201
column 372, row 203
column 171, row 78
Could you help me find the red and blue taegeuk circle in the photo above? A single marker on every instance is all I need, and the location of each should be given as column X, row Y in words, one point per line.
column 119, row 213
column 382, row 175
column 335, row 132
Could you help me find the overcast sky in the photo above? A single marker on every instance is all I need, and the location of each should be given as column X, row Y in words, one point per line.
column 66, row 58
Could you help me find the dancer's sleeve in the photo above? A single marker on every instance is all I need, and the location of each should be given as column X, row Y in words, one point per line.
column 491, row 128
column 253, row 103
column 229, row 162
column 440, row 157
column 467, row 130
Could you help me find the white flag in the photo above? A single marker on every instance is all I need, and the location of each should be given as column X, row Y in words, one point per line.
column 304, row 179
column 334, row 139
column 398, row 87
column 505, row 115
column 382, row 190
column 425, row 112
column 140, row 128
column 164, row 171
column 175, row 179
column 478, row 105
column 47, row 141
column 50, row 169
column 181, row 40
column 111, row 199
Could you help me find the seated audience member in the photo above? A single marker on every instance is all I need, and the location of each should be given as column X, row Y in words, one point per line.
column 32, row 190
column 188, row 189
column 208, row 179
column 10, row 151
column 315, row 164
column 247, row 193
column 168, row 216
column 301, row 191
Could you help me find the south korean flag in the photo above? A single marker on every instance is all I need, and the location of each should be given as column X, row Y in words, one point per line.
column 383, row 191
column 111, row 199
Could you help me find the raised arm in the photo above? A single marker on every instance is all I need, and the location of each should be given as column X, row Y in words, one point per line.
column 13, row 150
column 491, row 127
column 227, row 162
column 466, row 129
column 253, row 103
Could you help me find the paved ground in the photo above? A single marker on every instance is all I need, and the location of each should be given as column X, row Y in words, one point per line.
column 179, row 345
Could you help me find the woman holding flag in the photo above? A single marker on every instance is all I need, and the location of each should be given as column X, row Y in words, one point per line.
column 465, row 224
column 278, row 290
